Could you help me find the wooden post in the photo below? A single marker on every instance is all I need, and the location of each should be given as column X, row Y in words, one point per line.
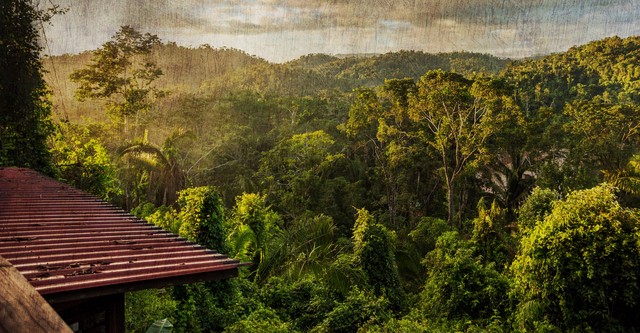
column 22, row 308
column 115, row 314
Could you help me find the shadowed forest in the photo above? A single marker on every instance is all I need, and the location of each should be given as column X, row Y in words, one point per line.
column 398, row 192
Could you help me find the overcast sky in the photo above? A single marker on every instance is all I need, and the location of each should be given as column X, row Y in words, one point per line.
column 281, row 30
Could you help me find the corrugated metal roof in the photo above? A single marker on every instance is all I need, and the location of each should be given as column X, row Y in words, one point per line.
column 67, row 242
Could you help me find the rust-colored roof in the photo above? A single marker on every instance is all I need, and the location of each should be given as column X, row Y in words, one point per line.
column 70, row 244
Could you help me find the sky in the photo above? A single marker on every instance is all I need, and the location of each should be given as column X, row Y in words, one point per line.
column 282, row 30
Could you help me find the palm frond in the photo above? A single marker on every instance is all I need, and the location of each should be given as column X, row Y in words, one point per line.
column 147, row 150
column 243, row 243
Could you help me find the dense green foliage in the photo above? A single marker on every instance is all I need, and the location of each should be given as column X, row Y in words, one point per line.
column 373, row 253
column 578, row 270
column 459, row 285
column 404, row 192
column 25, row 111
column 84, row 162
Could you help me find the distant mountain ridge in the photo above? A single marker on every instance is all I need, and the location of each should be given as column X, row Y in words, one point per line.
column 218, row 70
column 196, row 70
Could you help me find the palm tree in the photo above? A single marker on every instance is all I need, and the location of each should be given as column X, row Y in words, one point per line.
column 307, row 247
column 157, row 169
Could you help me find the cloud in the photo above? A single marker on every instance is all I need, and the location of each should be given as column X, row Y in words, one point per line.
column 512, row 28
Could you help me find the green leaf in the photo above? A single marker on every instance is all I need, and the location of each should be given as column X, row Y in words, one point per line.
column 161, row 326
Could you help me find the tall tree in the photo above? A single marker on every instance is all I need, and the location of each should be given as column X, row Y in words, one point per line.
column 122, row 73
column 512, row 149
column 25, row 112
column 384, row 138
column 454, row 115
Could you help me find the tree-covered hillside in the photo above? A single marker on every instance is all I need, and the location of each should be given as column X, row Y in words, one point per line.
column 218, row 71
column 185, row 70
column 404, row 192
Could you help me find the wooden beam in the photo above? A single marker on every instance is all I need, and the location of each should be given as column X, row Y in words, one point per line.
column 22, row 309
column 88, row 293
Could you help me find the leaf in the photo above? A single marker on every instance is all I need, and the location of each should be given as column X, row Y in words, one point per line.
column 161, row 326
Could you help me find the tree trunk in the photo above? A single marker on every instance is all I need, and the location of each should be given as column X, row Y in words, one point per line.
column 450, row 206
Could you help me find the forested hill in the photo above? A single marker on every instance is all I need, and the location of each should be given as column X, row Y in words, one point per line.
column 217, row 71
column 403, row 192
column 184, row 70
column 606, row 69
column 372, row 70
